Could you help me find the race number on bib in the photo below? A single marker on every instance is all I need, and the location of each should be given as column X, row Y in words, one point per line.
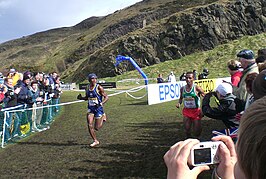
column 189, row 103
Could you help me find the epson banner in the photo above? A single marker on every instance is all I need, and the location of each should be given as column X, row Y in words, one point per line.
column 163, row 92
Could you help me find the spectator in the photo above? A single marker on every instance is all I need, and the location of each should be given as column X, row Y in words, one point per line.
column 259, row 85
column 46, row 89
column 246, row 58
column 204, row 74
column 262, row 52
column 260, row 59
column 246, row 161
column 41, row 84
column 14, row 75
column 183, row 77
column 36, row 100
column 234, row 67
column 11, row 100
column 56, row 96
column 171, row 78
column 195, row 74
column 3, row 90
column 261, row 62
column 227, row 107
column 191, row 112
column 249, row 83
column 160, row 78
column 25, row 98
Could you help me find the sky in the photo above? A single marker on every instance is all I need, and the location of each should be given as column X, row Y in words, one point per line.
column 20, row 18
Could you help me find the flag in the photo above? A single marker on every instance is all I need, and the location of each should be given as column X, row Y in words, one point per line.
column 229, row 132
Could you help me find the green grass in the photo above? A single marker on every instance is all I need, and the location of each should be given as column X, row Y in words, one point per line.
column 133, row 142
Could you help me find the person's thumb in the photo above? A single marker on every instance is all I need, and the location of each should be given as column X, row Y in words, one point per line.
column 199, row 169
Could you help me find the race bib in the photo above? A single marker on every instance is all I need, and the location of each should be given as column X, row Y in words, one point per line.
column 189, row 103
column 93, row 102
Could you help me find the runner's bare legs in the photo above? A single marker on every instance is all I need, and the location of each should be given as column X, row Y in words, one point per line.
column 187, row 127
column 99, row 123
column 90, row 120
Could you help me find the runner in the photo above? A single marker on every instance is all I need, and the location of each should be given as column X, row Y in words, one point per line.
column 96, row 98
column 191, row 112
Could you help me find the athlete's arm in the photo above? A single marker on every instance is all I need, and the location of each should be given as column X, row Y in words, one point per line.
column 103, row 93
column 181, row 98
column 80, row 97
column 200, row 91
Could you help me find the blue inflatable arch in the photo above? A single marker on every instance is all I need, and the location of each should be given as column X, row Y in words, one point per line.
column 121, row 58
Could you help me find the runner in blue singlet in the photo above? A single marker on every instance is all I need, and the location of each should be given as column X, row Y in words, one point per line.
column 96, row 98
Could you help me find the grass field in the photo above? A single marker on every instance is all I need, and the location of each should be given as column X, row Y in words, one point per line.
column 133, row 142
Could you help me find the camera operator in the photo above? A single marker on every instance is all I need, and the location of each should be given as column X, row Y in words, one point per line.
column 204, row 74
column 227, row 107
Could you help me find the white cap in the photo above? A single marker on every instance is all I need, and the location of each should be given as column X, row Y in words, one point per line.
column 224, row 89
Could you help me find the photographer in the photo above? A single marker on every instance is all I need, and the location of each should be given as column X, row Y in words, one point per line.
column 204, row 74
column 247, row 160
column 227, row 107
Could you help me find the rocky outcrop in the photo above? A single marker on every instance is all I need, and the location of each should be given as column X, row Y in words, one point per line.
column 181, row 34
column 128, row 25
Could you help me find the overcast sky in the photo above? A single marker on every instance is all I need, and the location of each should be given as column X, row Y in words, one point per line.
column 25, row 17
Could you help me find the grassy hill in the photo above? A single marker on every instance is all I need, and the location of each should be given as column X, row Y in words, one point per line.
column 65, row 48
column 214, row 60
column 170, row 31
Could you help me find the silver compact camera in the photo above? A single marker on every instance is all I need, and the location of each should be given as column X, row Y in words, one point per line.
column 204, row 153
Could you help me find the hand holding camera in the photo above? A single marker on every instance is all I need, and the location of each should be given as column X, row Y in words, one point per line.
column 204, row 153
column 201, row 155
column 176, row 160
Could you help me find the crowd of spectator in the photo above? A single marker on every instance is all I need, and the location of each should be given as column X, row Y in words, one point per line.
column 28, row 102
column 241, row 104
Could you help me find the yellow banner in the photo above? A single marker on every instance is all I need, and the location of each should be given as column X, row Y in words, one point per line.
column 207, row 84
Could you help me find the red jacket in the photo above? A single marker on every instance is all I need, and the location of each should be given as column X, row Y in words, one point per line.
column 235, row 78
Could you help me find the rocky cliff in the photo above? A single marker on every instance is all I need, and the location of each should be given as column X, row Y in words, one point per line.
column 183, row 33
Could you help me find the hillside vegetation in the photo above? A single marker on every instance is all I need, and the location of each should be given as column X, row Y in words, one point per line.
column 214, row 60
column 151, row 32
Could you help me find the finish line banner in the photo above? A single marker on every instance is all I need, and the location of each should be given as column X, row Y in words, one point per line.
column 163, row 92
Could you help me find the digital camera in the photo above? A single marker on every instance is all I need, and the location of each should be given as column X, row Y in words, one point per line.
column 204, row 153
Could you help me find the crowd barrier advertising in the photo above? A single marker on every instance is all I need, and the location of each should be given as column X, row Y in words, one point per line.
column 163, row 92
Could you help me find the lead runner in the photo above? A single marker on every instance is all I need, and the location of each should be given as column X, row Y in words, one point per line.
column 96, row 97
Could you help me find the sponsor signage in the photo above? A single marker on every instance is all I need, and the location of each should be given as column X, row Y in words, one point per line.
column 163, row 92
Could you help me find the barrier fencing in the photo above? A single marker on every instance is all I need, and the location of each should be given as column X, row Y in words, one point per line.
column 20, row 121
